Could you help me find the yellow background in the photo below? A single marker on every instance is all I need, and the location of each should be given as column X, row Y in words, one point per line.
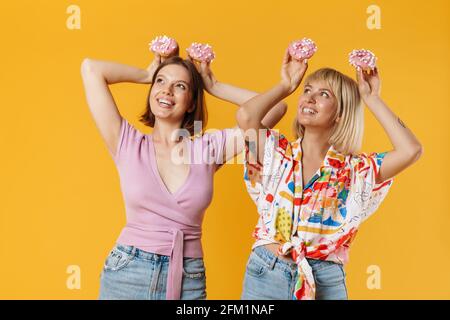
column 61, row 203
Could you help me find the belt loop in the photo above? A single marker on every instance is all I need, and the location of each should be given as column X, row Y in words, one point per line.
column 272, row 263
column 133, row 251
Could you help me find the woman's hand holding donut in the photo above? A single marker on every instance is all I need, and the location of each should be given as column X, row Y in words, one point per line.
column 369, row 84
column 209, row 80
column 292, row 72
column 163, row 48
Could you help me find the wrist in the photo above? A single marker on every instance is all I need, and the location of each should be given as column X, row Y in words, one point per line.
column 147, row 76
column 215, row 88
column 371, row 100
column 285, row 89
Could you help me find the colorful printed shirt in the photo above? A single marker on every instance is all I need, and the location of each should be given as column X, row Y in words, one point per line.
column 318, row 220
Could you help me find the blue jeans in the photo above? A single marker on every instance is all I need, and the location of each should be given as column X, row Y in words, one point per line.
column 133, row 274
column 268, row 277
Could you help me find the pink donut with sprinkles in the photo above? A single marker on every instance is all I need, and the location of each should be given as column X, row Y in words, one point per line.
column 201, row 52
column 163, row 45
column 362, row 58
column 302, row 49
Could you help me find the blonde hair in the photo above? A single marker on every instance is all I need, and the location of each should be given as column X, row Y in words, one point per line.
column 347, row 134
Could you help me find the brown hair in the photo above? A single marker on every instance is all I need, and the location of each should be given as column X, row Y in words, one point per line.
column 198, row 98
column 348, row 132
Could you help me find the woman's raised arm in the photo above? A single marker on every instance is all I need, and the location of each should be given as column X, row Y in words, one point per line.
column 97, row 75
column 237, row 96
column 407, row 149
column 253, row 112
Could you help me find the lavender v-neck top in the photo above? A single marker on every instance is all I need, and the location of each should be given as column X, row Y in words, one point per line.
column 159, row 221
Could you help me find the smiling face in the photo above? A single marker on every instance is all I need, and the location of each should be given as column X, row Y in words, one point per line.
column 176, row 95
column 317, row 105
column 171, row 93
column 331, row 102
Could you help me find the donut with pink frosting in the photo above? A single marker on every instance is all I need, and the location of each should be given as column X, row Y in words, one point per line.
column 201, row 52
column 364, row 59
column 163, row 45
column 302, row 49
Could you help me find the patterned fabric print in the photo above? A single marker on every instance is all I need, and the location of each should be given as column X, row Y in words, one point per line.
column 325, row 213
column 283, row 226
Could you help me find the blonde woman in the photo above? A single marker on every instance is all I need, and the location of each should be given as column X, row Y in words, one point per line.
column 313, row 193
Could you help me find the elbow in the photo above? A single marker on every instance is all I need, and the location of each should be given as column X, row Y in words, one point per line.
column 274, row 116
column 243, row 118
column 87, row 66
column 282, row 106
column 415, row 152
column 418, row 152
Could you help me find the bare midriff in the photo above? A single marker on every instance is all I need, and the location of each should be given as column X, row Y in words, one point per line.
column 273, row 247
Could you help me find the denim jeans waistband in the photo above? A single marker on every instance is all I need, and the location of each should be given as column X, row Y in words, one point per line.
column 272, row 260
column 136, row 252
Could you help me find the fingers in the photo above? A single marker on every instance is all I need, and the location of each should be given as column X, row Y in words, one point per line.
column 158, row 58
column 287, row 57
column 191, row 60
column 368, row 74
column 359, row 75
column 375, row 72
column 204, row 67
column 299, row 63
column 304, row 65
column 195, row 63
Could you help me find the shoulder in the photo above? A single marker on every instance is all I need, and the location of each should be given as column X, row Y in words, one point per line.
column 129, row 130
column 367, row 160
column 209, row 137
column 278, row 140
